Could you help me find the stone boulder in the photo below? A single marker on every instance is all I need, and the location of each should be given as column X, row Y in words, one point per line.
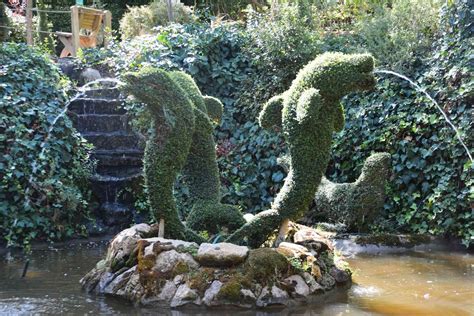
column 299, row 284
column 221, row 254
column 168, row 261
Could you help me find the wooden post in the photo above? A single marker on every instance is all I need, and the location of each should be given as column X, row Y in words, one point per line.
column 29, row 22
column 75, row 28
column 108, row 28
column 161, row 228
column 282, row 232
column 170, row 10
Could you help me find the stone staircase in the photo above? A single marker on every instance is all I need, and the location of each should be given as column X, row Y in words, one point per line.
column 98, row 115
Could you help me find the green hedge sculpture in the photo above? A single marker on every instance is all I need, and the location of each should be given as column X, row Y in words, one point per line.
column 308, row 113
column 181, row 141
column 353, row 204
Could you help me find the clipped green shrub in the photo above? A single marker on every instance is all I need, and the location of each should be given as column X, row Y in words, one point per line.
column 142, row 20
column 168, row 146
column 311, row 113
column 43, row 168
column 181, row 140
column 201, row 172
column 354, row 204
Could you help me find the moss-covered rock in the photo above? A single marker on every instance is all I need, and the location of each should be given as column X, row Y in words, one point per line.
column 310, row 113
column 230, row 291
column 265, row 264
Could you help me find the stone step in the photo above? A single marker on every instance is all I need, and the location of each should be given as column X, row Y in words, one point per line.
column 96, row 106
column 111, row 189
column 115, row 214
column 117, row 171
column 102, row 93
column 114, row 140
column 118, row 160
column 111, row 157
column 100, row 123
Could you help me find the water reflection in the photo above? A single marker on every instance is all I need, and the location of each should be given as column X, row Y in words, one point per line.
column 401, row 282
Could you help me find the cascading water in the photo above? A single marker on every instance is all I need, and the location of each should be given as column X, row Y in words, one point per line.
column 82, row 90
column 422, row 90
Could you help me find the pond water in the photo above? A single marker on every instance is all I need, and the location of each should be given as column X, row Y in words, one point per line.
column 426, row 280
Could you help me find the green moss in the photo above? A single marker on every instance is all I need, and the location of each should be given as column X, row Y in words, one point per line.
column 354, row 204
column 265, row 264
column 311, row 113
column 181, row 141
column 207, row 215
column 180, row 268
column 230, row 291
column 116, row 264
column 200, row 281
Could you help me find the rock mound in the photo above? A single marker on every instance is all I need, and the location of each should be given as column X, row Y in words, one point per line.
column 172, row 273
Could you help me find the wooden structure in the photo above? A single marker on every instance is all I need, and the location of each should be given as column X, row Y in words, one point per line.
column 88, row 21
column 86, row 25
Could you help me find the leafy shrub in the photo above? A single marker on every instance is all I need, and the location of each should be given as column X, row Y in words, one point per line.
column 396, row 36
column 142, row 19
column 43, row 167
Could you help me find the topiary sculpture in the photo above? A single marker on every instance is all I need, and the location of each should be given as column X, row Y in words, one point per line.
column 308, row 113
column 181, row 140
column 353, row 204
column 201, row 171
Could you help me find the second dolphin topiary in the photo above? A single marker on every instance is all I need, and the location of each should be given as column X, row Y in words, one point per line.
column 308, row 113
column 181, row 141
column 353, row 204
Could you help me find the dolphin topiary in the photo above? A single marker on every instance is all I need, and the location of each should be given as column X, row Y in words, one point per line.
column 181, row 141
column 308, row 113
column 353, row 204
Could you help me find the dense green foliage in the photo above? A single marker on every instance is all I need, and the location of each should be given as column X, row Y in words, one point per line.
column 311, row 113
column 43, row 168
column 354, row 204
column 201, row 172
column 244, row 66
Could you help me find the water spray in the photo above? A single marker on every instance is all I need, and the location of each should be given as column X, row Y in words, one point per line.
column 422, row 90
